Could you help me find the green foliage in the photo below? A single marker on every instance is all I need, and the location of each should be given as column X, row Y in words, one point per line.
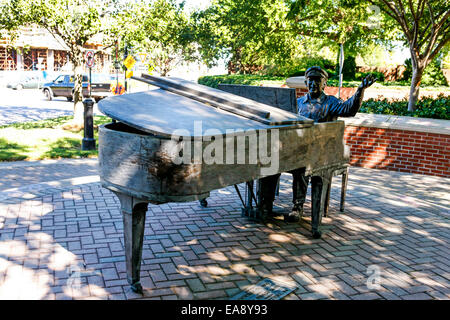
column 361, row 75
column 252, row 80
column 48, row 123
column 345, row 83
column 306, row 62
column 258, row 80
column 52, row 123
column 73, row 22
column 446, row 57
column 432, row 75
column 248, row 33
column 163, row 31
column 350, row 22
column 12, row 151
column 67, row 148
column 349, row 68
column 427, row 107
column 44, row 139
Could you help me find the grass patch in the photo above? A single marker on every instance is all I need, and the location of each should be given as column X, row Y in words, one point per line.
column 45, row 139
column 12, row 151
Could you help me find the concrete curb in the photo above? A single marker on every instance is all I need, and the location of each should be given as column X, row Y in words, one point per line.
column 17, row 164
column 399, row 123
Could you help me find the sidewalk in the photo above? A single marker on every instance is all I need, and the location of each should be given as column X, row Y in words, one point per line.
column 61, row 238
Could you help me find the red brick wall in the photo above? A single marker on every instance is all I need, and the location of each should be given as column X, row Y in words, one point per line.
column 299, row 92
column 395, row 150
column 333, row 91
column 345, row 92
column 399, row 150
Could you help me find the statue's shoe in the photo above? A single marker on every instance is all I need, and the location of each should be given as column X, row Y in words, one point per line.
column 294, row 215
column 316, row 234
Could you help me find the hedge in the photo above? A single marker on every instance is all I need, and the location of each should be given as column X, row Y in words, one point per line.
column 247, row 79
column 427, row 107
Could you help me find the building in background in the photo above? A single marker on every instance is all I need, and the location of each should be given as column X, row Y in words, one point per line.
column 36, row 49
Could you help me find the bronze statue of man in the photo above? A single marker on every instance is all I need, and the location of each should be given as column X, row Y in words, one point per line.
column 319, row 107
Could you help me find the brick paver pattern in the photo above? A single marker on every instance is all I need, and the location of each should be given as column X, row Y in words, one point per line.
column 392, row 242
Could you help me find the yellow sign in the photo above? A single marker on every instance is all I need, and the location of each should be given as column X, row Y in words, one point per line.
column 129, row 73
column 129, row 62
column 142, row 57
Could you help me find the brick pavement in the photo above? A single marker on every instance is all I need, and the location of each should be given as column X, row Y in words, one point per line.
column 25, row 173
column 65, row 241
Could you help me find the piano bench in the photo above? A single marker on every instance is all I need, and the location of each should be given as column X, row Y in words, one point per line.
column 340, row 171
column 344, row 172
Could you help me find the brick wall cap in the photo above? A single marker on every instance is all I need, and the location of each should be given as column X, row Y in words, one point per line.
column 399, row 123
column 296, row 82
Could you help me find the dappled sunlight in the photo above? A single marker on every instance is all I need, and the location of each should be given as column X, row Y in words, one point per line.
column 239, row 252
column 209, row 271
column 269, row 258
column 217, row 255
column 22, row 283
column 421, row 232
column 242, row 268
column 356, row 225
column 217, row 271
column 35, row 210
column 392, row 229
column 186, row 270
column 279, row 237
column 61, row 259
column 216, row 250
column 13, row 248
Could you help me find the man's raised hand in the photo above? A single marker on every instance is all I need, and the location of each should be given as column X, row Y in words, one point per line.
column 367, row 81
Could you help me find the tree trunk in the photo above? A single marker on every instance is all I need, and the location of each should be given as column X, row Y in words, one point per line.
column 415, row 86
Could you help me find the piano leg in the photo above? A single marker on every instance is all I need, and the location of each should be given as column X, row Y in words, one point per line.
column 320, row 186
column 316, row 205
column 133, row 211
column 343, row 189
column 327, row 199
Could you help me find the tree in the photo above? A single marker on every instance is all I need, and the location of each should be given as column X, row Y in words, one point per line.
column 351, row 23
column 163, row 31
column 426, row 28
column 249, row 33
column 73, row 21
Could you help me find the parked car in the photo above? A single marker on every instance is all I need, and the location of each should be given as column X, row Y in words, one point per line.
column 63, row 86
column 26, row 82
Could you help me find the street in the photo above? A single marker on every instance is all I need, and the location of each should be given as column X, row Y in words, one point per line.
column 31, row 105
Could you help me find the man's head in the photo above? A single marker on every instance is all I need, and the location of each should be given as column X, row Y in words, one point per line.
column 316, row 80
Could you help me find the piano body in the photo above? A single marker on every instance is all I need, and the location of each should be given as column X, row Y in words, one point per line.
column 179, row 142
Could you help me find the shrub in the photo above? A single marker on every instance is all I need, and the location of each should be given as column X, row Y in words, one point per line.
column 253, row 80
column 432, row 75
column 305, row 63
column 349, row 68
column 427, row 107
column 361, row 75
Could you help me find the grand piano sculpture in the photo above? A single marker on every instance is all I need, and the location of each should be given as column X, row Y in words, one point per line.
column 179, row 142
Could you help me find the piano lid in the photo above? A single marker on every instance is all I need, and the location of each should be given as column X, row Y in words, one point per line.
column 181, row 104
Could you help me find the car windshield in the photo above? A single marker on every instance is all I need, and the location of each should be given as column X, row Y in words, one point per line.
column 59, row 79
